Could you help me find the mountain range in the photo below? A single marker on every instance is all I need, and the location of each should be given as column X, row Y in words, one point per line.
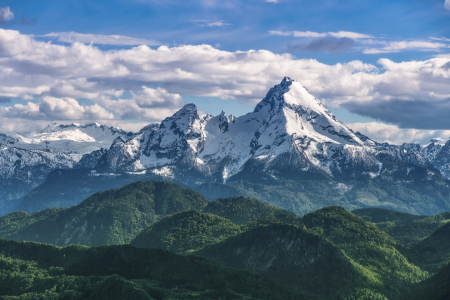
column 290, row 139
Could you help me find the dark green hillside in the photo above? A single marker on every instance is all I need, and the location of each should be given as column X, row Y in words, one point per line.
column 186, row 232
column 299, row 259
column 111, row 217
column 405, row 228
column 368, row 246
column 412, row 233
column 435, row 250
column 241, row 210
column 38, row 271
column 65, row 188
column 384, row 218
column 434, row 288
column 270, row 220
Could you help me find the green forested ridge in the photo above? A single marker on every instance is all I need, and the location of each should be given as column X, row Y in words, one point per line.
column 405, row 228
column 384, row 218
column 110, row 217
column 186, row 232
column 38, row 271
column 370, row 260
column 240, row 210
column 389, row 262
column 434, row 251
column 327, row 254
column 436, row 287
column 118, row 216
column 299, row 259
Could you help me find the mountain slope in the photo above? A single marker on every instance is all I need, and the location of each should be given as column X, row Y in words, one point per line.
column 31, row 270
column 434, row 288
column 368, row 246
column 298, row 259
column 435, row 249
column 26, row 160
column 111, row 217
column 240, row 210
column 186, row 232
column 405, row 228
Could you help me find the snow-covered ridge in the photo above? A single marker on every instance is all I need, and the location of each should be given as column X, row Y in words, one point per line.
column 288, row 122
column 288, row 131
column 74, row 140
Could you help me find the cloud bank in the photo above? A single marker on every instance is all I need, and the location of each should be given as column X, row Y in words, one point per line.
column 145, row 84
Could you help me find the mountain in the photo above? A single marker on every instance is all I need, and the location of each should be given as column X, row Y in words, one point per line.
column 405, row 228
column 435, row 249
column 296, row 258
column 291, row 151
column 189, row 231
column 331, row 254
column 186, row 232
column 240, row 210
column 434, row 288
column 105, row 218
column 39, row 271
column 117, row 216
column 26, row 160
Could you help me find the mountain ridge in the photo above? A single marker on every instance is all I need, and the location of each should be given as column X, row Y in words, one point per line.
column 290, row 136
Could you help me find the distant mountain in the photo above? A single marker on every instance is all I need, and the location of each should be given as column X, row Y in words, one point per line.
column 105, row 218
column 26, row 160
column 39, row 271
column 291, row 151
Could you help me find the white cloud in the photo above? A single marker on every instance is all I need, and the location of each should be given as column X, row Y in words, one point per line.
column 50, row 108
column 32, row 69
column 447, row 4
column 71, row 37
column 147, row 104
column 220, row 23
column 350, row 35
column 407, row 45
column 272, row 1
column 311, row 34
column 381, row 132
column 6, row 14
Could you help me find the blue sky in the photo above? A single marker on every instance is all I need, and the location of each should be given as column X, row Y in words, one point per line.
column 381, row 36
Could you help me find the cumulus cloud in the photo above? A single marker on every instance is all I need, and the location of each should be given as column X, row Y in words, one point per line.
column 71, row 37
column 6, row 14
column 32, row 69
column 407, row 45
column 447, row 4
column 147, row 104
column 50, row 108
column 272, row 1
column 326, row 44
column 340, row 34
column 381, row 132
